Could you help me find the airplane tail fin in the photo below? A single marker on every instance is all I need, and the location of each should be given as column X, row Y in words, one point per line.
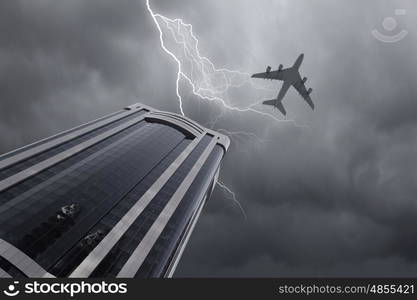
column 270, row 102
column 277, row 104
column 281, row 107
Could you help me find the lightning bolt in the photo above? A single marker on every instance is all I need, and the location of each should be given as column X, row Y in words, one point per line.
column 243, row 137
column 233, row 197
column 207, row 82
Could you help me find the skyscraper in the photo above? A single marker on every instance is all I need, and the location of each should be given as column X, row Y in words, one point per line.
column 116, row 197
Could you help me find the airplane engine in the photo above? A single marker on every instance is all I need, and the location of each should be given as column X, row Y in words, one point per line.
column 304, row 79
column 268, row 69
column 309, row 91
column 280, row 67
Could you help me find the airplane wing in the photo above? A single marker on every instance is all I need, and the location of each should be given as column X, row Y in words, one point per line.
column 273, row 75
column 301, row 89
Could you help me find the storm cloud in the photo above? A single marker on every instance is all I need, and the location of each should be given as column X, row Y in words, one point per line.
column 334, row 196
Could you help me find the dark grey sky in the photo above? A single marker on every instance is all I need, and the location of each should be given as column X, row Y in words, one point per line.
column 335, row 198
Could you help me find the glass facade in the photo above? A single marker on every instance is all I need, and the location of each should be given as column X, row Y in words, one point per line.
column 19, row 166
column 115, row 260
column 157, row 261
column 59, row 215
column 41, row 142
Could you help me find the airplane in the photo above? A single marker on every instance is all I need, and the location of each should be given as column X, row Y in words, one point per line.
column 291, row 77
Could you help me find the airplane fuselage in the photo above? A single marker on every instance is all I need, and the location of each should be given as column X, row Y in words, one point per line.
column 292, row 77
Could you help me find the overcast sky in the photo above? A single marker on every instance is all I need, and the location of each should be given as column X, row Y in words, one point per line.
column 332, row 195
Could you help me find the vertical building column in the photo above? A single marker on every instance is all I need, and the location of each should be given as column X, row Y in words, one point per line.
column 4, row 274
column 139, row 254
column 21, row 261
column 103, row 248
